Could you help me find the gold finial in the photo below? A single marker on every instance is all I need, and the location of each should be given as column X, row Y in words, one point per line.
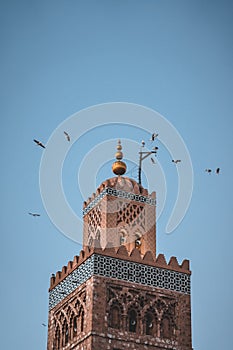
column 119, row 167
column 119, row 154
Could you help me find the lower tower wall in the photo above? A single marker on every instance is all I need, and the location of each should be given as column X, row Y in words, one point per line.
column 143, row 307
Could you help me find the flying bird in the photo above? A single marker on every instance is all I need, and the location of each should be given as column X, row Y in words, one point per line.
column 208, row 171
column 152, row 161
column 176, row 161
column 34, row 214
column 153, row 136
column 67, row 136
column 43, row 324
column 217, row 171
column 39, row 143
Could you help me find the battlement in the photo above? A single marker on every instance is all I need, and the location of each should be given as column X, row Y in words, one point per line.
column 120, row 253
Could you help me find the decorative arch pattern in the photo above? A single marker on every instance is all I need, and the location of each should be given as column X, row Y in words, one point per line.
column 69, row 322
column 143, row 313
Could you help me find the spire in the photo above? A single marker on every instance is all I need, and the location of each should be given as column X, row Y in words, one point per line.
column 119, row 167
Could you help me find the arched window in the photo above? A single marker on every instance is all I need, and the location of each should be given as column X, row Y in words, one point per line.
column 75, row 328
column 65, row 333
column 150, row 323
column 81, row 315
column 132, row 318
column 114, row 317
column 166, row 329
column 56, row 341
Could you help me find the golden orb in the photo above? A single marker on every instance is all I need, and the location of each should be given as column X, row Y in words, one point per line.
column 119, row 155
column 119, row 167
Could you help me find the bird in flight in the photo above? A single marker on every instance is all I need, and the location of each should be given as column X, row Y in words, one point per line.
column 153, row 136
column 176, row 161
column 43, row 324
column 208, row 171
column 217, row 171
column 67, row 136
column 34, row 214
column 152, row 161
column 39, row 143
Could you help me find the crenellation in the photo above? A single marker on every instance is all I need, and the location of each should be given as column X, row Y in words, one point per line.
column 135, row 254
column 63, row 271
column 58, row 277
column 120, row 253
column 75, row 261
column 173, row 262
column 148, row 257
column 160, row 260
column 69, row 266
column 185, row 264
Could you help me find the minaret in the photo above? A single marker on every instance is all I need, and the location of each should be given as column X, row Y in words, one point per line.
column 121, row 212
column 117, row 294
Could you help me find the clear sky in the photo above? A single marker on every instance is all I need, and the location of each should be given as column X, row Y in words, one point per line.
column 59, row 57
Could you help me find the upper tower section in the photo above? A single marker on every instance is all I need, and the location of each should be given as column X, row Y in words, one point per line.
column 121, row 212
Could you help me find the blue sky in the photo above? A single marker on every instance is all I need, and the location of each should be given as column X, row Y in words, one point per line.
column 59, row 57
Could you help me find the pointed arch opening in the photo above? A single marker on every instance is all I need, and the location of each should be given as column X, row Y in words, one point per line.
column 150, row 324
column 75, row 326
column 81, row 319
column 114, row 317
column 57, row 339
column 132, row 321
column 65, row 333
column 166, row 328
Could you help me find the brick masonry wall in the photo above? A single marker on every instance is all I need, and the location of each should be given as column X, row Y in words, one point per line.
column 138, row 219
column 97, row 296
column 84, row 319
column 141, row 297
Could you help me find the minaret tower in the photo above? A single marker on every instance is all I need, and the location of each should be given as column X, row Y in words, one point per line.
column 117, row 294
column 121, row 212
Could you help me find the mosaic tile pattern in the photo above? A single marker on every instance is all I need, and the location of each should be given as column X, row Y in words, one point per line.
column 122, row 270
column 120, row 194
column 71, row 282
column 142, row 274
